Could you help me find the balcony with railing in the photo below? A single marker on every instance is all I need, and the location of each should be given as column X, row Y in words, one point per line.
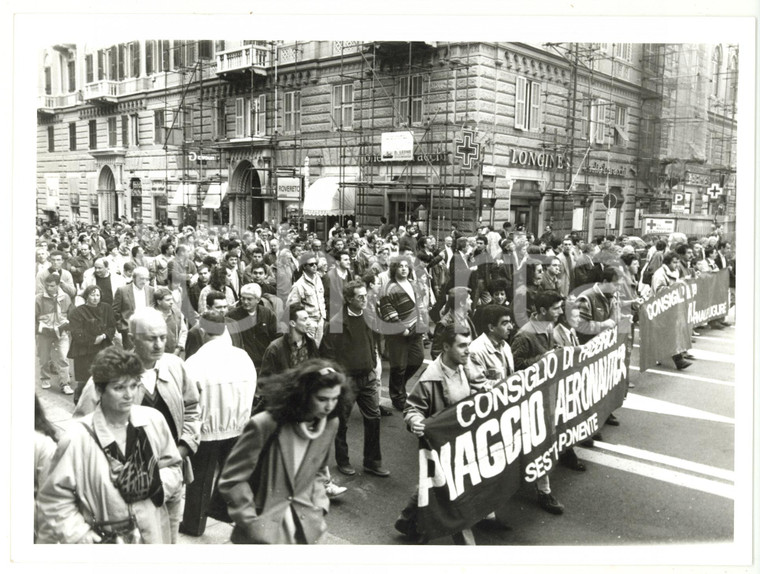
column 102, row 91
column 47, row 104
column 246, row 58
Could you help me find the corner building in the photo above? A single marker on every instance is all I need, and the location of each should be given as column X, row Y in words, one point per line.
column 580, row 136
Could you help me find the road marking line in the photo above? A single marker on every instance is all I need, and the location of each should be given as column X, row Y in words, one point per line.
column 641, row 403
column 720, row 339
column 656, row 473
column 710, row 355
column 681, row 463
column 689, row 377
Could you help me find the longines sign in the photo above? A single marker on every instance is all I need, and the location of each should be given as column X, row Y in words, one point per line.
column 545, row 160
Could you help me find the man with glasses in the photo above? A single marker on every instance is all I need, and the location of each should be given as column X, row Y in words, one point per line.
column 310, row 292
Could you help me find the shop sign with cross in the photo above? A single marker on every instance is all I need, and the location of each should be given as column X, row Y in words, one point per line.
column 714, row 191
column 467, row 149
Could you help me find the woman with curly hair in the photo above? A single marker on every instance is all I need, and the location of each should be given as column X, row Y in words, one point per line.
column 114, row 469
column 274, row 478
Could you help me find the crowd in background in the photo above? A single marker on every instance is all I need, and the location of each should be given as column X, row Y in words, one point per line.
column 187, row 349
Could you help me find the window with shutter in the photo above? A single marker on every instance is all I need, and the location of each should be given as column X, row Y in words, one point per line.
column 88, row 68
column 135, row 129
column 51, row 138
column 416, row 95
column 72, row 136
column 72, row 71
column 621, row 125
column 598, row 121
column 261, row 115
column 521, row 89
column 158, row 126
column 150, row 48
column 220, row 120
column 205, row 49
column 113, row 63
column 135, row 59
column 101, row 65
column 348, row 106
column 337, row 105
column 190, row 53
column 403, row 101
column 166, row 55
column 179, row 60
column 92, row 127
column 125, row 131
column 112, row 134
column 48, row 81
column 534, row 114
column 239, row 117
column 585, row 130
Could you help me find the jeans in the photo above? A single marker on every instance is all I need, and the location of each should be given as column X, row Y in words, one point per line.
column 363, row 390
column 52, row 353
column 405, row 355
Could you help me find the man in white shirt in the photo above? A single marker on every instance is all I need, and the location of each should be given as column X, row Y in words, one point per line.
column 226, row 378
column 130, row 298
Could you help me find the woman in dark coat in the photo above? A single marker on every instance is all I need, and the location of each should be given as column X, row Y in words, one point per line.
column 92, row 329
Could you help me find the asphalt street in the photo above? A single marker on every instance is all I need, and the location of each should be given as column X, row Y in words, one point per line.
column 665, row 475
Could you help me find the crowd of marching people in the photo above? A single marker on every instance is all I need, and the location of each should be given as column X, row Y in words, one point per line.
column 214, row 370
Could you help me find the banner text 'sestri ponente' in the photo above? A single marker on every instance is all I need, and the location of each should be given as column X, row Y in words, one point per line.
column 667, row 318
column 476, row 453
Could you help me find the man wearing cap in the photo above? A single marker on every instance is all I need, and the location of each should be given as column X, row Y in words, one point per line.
column 310, row 292
column 51, row 310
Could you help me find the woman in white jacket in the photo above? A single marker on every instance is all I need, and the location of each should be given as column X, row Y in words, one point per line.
column 114, row 469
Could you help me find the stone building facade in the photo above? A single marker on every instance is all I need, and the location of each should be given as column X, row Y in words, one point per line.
column 579, row 136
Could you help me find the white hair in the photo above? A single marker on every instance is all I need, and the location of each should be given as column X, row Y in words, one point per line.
column 251, row 289
column 145, row 316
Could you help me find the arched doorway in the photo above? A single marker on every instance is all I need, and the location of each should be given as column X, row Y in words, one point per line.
column 108, row 205
column 246, row 206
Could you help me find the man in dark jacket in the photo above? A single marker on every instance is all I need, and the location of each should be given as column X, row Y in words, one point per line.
column 255, row 323
column 532, row 341
column 350, row 342
column 293, row 347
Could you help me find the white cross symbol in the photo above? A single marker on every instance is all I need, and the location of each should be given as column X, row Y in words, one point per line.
column 467, row 149
column 714, row 191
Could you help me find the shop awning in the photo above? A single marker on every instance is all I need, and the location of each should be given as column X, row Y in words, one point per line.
column 214, row 195
column 323, row 197
column 186, row 194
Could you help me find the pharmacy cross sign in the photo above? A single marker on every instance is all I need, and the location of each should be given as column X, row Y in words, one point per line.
column 467, row 149
column 714, row 191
